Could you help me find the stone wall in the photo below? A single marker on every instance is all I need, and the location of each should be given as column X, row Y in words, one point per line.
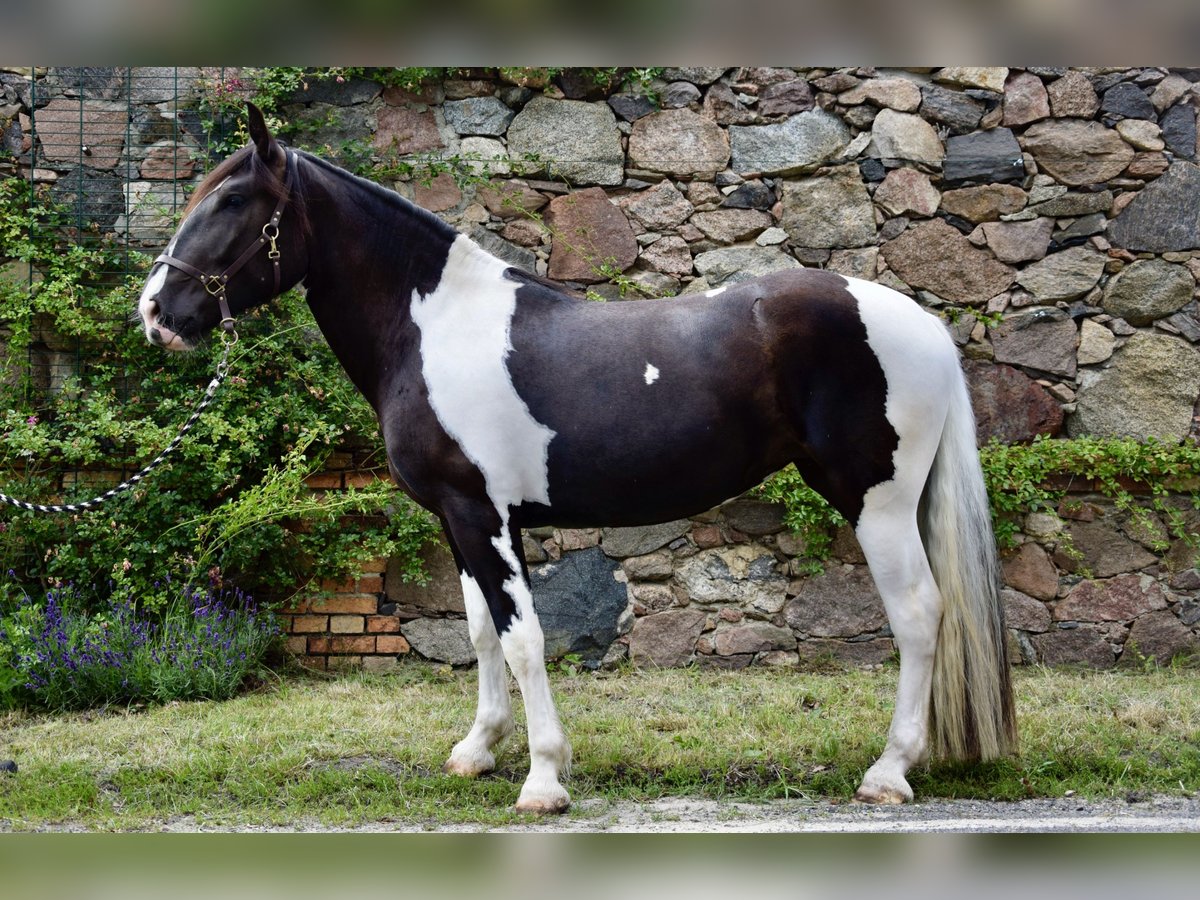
column 1052, row 213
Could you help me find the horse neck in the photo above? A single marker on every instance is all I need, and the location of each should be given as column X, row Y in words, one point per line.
column 369, row 250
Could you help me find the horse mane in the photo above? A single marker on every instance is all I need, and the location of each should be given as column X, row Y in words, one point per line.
column 263, row 176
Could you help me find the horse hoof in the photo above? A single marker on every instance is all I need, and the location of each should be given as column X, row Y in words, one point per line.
column 552, row 804
column 881, row 796
column 8, row 765
column 468, row 768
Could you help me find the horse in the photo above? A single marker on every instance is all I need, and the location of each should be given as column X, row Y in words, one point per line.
column 508, row 402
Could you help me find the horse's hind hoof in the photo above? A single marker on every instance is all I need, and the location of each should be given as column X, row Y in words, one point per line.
column 881, row 796
column 552, row 803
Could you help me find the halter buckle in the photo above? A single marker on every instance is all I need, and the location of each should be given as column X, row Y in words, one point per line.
column 218, row 281
column 272, row 236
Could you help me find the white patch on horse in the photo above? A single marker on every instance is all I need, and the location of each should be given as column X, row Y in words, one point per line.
column 465, row 324
column 651, row 374
column 715, row 291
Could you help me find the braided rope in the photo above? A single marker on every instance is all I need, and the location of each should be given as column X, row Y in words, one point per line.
column 209, row 393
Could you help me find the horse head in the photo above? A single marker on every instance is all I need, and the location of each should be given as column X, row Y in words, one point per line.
column 239, row 243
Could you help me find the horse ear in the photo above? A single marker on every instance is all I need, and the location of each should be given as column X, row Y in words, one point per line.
column 259, row 133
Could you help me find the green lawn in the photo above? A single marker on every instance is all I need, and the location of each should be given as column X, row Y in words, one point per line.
column 358, row 749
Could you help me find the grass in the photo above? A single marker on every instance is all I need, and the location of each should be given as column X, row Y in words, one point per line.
column 359, row 748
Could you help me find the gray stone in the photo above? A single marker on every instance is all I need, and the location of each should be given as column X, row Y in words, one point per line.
column 695, row 74
column 905, row 137
column 1042, row 338
column 751, row 195
column 724, row 107
column 821, row 651
column 478, row 115
column 587, row 231
column 1119, row 599
column 733, row 264
column 935, row 257
column 1009, row 405
column 574, row 140
column 742, row 575
column 442, row 593
column 656, row 566
column 906, row 191
column 1085, row 645
column 1024, row 612
column 1025, row 99
column 1015, row 242
column 1127, row 100
column 661, row 206
column 520, row 257
column 442, row 640
column 1074, row 203
column 841, row 602
column 1179, row 130
column 511, row 199
column 829, row 211
column 1159, row 636
column 1148, row 289
column 989, row 78
column 988, row 156
column 666, row 639
column 1164, row 216
column 1066, row 275
column 1149, row 389
column 1096, row 343
column 727, row 226
column 678, row 142
column 406, row 131
column 641, row 539
column 951, row 108
column 669, row 255
column 1072, row 96
column 798, row 144
column 754, row 517
column 785, row 98
column 985, row 202
column 65, row 127
column 900, row 94
column 679, row 94
column 631, row 107
column 753, row 637
column 579, row 603
column 1077, row 152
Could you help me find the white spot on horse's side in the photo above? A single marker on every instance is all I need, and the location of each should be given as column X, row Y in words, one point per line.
column 465, row 324
column 651, row 374
column 715, row 291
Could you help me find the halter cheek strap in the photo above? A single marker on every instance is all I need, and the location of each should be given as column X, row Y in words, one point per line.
column 215, row 284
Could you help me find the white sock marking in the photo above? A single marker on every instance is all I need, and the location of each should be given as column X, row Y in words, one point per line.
column 651, row 375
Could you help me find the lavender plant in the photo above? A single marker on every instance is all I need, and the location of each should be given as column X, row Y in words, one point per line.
column 204, row 646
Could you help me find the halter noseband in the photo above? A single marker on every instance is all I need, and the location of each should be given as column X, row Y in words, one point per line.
column 215, row 284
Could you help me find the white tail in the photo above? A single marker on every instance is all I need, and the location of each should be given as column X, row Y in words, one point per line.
column 971, row 714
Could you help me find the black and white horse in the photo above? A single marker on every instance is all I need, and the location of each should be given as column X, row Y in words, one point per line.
column 506, row 403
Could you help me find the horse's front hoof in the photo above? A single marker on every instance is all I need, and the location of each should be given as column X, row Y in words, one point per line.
column 550, row 803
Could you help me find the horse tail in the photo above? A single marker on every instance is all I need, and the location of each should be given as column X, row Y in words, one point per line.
column 972, row 714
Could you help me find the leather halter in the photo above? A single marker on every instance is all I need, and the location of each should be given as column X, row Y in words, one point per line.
column 215, row 284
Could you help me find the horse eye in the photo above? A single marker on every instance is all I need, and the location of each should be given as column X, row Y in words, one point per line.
column 235, row 201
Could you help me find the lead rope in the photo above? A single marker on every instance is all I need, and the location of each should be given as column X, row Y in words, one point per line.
column 228, row 340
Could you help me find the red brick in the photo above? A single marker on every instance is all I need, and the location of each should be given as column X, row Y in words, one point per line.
column 347, row 624
column 361, row 644
column 379, row 663
column 382, row 624
column 375, row 566
column 391, row 643
column 297, row 646
column 309, row 624
column 370, row 584
column 318, row 645
column 345, row 662
column 363, row 479
column 313, row 662
column 363, row 604
column 324, row 481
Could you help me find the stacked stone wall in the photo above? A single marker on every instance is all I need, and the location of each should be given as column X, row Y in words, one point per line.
column 1051, row 214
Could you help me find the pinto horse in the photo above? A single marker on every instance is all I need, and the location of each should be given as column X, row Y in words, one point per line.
column 506, row 403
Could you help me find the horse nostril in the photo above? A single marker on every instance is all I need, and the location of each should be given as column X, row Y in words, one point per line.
column 156, row 336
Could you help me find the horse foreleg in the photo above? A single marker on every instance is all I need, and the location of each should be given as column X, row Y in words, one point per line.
column 472, row 755
column 494, row 566
column 892, row 545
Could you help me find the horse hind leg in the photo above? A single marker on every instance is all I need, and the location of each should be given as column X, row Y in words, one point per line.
column 892, row 545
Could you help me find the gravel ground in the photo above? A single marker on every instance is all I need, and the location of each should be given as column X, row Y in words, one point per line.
column 675, row 815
